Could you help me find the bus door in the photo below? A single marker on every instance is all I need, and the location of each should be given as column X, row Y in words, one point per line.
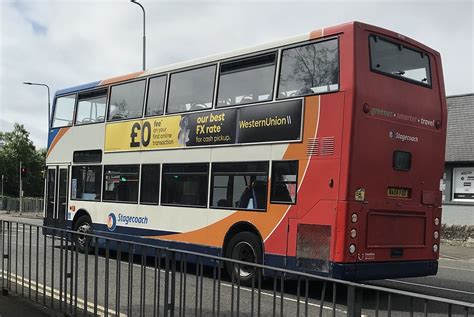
column 57, row 196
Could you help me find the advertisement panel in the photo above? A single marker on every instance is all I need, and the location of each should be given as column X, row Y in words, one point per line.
column 270, row 122
column 209, row 128
column 463, row 183
column 280, row 121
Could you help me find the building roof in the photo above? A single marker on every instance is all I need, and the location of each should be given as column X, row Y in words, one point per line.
column 460, row 134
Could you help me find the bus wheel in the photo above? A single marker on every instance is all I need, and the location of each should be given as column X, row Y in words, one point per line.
column 244, row 246
column 83, row 225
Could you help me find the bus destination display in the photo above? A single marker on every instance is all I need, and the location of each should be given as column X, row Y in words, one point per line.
column 280, row 121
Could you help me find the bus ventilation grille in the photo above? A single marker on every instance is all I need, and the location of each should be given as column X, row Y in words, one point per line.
column 313, row 147
column 312, row 247
column 324, row 147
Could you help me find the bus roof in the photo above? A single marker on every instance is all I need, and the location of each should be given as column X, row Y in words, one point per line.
column 190, row 63
column 228, row 55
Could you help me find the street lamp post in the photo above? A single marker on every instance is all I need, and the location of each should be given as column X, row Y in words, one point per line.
column 49, row 100
column 144, row 36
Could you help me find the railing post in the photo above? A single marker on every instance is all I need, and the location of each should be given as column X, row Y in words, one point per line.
column 173, row 283
column 354, row 301
column 4, row 256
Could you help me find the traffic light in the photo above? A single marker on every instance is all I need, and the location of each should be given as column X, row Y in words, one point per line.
column 24, row 171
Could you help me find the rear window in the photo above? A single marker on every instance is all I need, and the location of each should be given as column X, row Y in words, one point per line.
column 396, row 60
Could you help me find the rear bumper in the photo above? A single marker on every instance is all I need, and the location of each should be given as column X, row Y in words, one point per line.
column 383, row 270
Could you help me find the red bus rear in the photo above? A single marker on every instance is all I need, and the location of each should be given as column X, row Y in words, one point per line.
column 375, row 207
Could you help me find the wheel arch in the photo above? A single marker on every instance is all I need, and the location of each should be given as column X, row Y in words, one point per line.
column 79, row 214
column 241, row 226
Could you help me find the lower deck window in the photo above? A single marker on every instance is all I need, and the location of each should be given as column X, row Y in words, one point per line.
column 85, row 183
column 121, row 183
column 240, row 185
column 150, row 184
column 185, row 184
column 284, row 175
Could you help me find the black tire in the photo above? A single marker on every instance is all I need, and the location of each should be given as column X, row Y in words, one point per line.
column 244, row 246
column 83, row 225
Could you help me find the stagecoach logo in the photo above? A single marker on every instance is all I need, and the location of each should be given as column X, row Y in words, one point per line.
column 111, row 221
column 394, row 135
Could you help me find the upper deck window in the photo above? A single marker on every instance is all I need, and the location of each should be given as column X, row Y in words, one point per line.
column 64, row 111
column 396, row 60
column 126, row 100
column 191, row 90
column 156, row 96
column 246, row 81
column 91, row 107
column 309, row 69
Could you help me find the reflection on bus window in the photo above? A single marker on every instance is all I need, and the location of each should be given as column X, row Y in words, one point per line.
column 240, row 185
column 191, row 90
column 185, row 184
column 91, row 107
column 246, row 81
column 156, row 96
column 121, row 183
column 284, row 175
column 85, row 183
column 126, row 100
column 309, row 69
column 64, row 111
column 150, row 183
column 399, row 61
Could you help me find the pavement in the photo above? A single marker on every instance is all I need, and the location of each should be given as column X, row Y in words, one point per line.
column 13, row 305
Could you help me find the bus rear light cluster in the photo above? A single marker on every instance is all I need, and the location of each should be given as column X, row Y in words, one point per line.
column 354, row 218
column 436, row 234
column 353, row 233
column 352, row 249
column 435, row 248
column 436, row 221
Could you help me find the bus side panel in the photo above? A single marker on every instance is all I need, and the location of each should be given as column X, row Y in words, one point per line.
column 318, row 191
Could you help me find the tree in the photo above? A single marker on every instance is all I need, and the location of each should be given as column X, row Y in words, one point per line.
column 18, row 148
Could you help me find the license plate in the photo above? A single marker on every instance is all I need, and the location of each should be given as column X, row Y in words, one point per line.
column 398, row 192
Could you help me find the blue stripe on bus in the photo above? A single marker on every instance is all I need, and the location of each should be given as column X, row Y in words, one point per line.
column 52, row 135
column 77, row 88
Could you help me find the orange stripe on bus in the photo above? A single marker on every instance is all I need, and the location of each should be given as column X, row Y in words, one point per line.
column 265, row 222
column 120, row 78
column 316, row 34
column 56, row 139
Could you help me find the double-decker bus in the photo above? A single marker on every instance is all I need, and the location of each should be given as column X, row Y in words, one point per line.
column 322, row 153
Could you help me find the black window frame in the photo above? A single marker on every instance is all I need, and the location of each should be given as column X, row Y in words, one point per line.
column 109, row 100
column 407, row 46
column 121, row 201
column 92, row 94
column 162, row 184
column 246, row 58
column 211, row 189
column 55, row 109
column 277, row 98
column 100, row 183
column 168, row 88
column 165, row 97
column 141, row 202
column 273, row 182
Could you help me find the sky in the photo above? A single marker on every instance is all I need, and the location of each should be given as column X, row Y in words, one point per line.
column 65, row 43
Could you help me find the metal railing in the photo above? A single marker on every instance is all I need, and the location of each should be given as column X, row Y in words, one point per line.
column 123, row 278
column 29, row 204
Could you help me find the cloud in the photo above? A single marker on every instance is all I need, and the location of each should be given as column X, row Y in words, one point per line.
column 67, row 43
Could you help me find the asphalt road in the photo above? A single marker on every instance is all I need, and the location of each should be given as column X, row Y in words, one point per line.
column 455, row 280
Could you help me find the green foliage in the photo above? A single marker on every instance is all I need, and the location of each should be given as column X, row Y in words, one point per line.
column 19, row 148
